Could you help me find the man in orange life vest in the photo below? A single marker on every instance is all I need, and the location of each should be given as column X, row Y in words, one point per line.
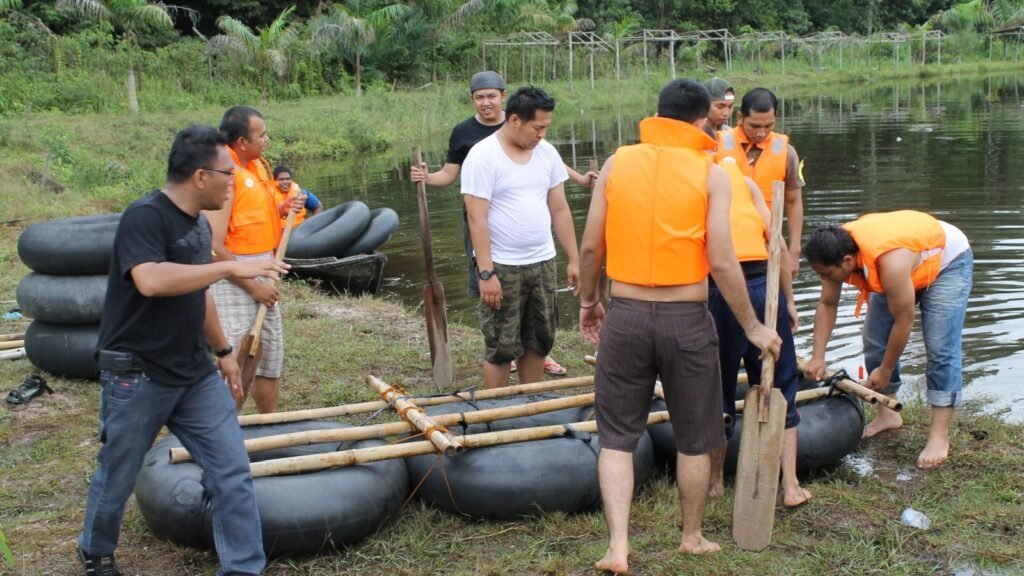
column 899, row 259
column 249, row 228
column 767, row 156
column 660, row 213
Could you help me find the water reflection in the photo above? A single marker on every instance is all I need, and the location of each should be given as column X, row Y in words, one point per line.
column 947, row 148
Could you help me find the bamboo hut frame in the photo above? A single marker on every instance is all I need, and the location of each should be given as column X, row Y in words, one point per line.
column 524, row 41
column 761, row 38
column 593, row 43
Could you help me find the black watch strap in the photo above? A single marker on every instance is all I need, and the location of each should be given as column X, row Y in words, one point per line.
column 223, row 351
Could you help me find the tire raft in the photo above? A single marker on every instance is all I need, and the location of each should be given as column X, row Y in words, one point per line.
column 64, row 350
column 298, row 513
column 63, row 299
column 330, row 232
column 520, row 479
column 829, row 429
column 79, row 245
column 383, row 223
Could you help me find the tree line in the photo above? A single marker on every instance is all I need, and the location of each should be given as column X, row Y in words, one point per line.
column 289, row 48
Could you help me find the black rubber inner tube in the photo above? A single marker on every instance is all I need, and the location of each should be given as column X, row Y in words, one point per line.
column 63, row 299
column 520, row 479
column 79, row 245
column 383, row 223
column 299, row 513
column 330, row 232
column 66, row 350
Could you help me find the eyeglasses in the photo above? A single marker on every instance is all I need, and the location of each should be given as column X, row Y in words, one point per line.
column 224, row 172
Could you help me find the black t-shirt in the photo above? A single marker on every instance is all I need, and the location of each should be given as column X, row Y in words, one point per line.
column 464, row 136
column 166, row 333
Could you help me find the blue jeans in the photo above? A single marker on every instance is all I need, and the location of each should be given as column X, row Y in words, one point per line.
column 943, row 307
column 133, row 408
column 733, row 345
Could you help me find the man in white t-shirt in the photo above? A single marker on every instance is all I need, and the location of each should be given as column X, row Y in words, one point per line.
column 513, row 186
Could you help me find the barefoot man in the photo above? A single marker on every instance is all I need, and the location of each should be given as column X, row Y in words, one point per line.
column 896, row 259
column 660, row 213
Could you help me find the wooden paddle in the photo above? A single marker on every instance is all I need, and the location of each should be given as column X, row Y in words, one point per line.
column 757, row 468
column 251, row 349
column 433, row 295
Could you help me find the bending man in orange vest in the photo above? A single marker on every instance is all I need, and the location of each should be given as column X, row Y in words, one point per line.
column 660, row 213
column 767, row 156
column 898, row 259
column 249, row 228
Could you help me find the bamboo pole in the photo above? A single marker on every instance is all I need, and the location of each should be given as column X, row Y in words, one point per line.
column 441, row 439
column 14, row 354
column 9, row 337
column 308, row 437
column 859, row 390
column 12, row 344
column 316, row 462
column 374, row 405
column 801, row 396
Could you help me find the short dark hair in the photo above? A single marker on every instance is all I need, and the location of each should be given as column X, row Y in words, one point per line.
column 281, row 168
column 194, row 147
column 525, row 102
column 684, row 99
column 829, row 244
column 235, row 122
column 759, row 100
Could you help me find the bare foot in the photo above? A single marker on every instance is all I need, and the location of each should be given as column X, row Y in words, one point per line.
column 934, row 454
column 717, row 487
column 613, row 562
column 795, row 497
column 698, row 546
column 886, row 420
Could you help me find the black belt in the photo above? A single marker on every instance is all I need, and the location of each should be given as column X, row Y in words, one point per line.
column 751, row 270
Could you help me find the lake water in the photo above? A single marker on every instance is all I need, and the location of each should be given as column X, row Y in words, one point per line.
column 947, row 148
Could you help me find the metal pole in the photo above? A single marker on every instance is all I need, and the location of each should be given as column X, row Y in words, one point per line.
column 672, row 57
column 570, row 60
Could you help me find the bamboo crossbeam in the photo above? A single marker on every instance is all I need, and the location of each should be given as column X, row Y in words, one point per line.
column 859, row 390
column 315, row 462
column 308, row 437
column 801, row 396
column 14, row 354
column 12, row 344
column 409, row 411
column 374, row 405
column 9, row 337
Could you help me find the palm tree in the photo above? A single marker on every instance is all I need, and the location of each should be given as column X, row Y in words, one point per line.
column 345, row 26
column 266, row 52
column 130, row 17
column 9, row 5
column 964, row 19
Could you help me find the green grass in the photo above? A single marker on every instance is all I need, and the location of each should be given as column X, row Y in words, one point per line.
column 852, row 526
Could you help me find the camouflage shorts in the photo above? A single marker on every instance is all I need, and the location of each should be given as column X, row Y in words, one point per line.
column 526, row 318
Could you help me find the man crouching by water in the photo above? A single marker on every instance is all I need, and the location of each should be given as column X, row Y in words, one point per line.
column 660, row 212
column 159, row 324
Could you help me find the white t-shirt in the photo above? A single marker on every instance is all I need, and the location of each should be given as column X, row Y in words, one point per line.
column 518, row 219
column 956, row 244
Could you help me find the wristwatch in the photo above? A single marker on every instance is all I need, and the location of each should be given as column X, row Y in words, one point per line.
column 223, row 351
column 484, row 274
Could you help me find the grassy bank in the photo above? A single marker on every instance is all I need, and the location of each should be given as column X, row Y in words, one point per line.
column 976, row 502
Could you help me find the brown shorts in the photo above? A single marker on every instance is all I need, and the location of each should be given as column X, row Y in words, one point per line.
column 642, row 341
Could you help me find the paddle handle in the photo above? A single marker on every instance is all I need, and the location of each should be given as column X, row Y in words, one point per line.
column 421, row 198
column 261, row 314
column 771, row 307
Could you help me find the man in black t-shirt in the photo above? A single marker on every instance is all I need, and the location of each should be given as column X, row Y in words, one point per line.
column 487, row 91
column 157, row 327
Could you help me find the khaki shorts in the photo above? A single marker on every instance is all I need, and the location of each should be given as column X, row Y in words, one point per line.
column 236, row 311
column 642, row 341
column 526, row 318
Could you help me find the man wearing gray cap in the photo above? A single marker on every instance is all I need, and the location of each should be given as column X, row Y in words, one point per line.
column 722, row 99
column 487, row 91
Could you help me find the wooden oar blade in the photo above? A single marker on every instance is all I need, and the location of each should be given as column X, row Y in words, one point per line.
column 757, row 473
column 437, row 334
column 249, row 354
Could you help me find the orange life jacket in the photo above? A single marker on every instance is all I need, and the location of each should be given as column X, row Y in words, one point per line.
column 255, row 225
column 295, row 190
column 748, row 230
column 770, row 165
column 876, row 234
column 657, row 197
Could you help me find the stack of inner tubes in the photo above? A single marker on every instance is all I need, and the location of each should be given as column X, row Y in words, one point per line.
column 345, row 230
column 65, row 291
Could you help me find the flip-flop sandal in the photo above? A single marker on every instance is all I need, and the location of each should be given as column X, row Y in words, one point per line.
column 513, row 368
column 554, row 368
column 33, row 386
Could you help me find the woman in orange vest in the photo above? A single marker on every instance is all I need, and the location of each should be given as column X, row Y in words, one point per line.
column 286, row 187
column 897, row 260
